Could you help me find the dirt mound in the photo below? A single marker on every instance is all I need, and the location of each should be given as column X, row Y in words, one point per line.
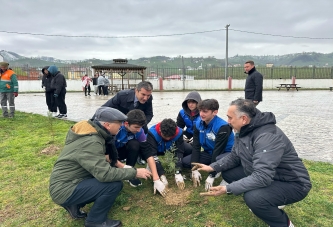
column 177, row 197
column 51, row 150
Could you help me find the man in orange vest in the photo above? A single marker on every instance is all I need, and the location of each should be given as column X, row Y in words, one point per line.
column 8, row 89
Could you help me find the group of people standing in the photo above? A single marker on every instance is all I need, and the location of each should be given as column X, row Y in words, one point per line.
column 100, row 83
column 253, row 156
column 54, row 83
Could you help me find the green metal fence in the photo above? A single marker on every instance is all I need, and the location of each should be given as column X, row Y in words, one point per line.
column 76, row 72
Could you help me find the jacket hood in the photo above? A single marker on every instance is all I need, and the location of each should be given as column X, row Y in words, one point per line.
column 46, row 67
column 260, row 119
column 194, row 95
column 85, row 128
column 53, row 69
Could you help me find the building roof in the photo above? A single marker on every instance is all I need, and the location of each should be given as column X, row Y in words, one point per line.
column 118, row 64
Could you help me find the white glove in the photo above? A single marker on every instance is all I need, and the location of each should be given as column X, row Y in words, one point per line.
column 209, row 182
column 196, row 177
column 127, row 167
column 160, row 187
column 164, row 180
column 179, row 181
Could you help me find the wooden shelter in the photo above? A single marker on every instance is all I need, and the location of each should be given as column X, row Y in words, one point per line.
column 121, row 67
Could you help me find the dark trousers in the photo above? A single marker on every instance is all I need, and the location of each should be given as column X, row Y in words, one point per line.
column 50, row 102
column 130, row 152
column 205, row 158
column 60, row 102
column 103, row 194
column 159, row 167
column 105, row 90
column 100, row 89
column 87, row 88
column 264, row 202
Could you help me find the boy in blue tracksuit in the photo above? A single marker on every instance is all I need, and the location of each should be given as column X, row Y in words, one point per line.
column 189, row 114
column 128, row 139
column 212, row 139
column 160, row 138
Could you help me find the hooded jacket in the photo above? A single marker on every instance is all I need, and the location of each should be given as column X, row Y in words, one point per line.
column 58, row 82
column 253, row 85
column 185, row 117
column 46, row 80
column 266, row 155
column 83, row 158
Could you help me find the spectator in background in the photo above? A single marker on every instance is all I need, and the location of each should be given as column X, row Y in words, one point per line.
column 8, row 89
column 253, row 84
column 94, row 80
column 58, row 84
column 101, row 84
column 86, row 84
column 49, row 92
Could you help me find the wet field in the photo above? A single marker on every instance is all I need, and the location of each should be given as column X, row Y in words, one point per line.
column 304, row 116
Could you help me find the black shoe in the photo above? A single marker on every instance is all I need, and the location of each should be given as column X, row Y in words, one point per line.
column 107, row 223
column 75, row 212
column 62, row 116
column 135, row 182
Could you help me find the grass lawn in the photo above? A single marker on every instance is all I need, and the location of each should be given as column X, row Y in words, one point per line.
column 30, row 145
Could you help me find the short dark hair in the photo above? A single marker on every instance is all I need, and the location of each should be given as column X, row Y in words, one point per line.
column 244, row 106
column 145, row 85
column 208, row 104
column 168, row 127
column 250, row 62
column 136, row 117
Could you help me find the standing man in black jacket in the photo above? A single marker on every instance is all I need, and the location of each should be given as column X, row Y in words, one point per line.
column 46, row 83
column 253, row 85
column 58, row 84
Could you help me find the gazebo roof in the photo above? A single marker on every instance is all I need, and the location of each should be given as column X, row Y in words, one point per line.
column 118, row 64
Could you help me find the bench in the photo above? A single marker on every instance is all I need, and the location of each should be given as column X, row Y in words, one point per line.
column 331, row 88
column 288, row 86
column 113, row 88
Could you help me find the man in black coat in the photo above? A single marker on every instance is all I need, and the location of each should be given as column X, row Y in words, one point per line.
column 137, row 98
column 58, row 84
column 127, row 100
column 253, row 85
column 46, row 83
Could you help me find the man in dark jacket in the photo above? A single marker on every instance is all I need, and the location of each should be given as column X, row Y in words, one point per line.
column 137, row 98
column 263, row 165
column 81, row 174
column 253, row 84
column 46, row 83
column 58, row 84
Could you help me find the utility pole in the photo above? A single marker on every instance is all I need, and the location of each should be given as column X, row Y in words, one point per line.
column 226, row 53
column 184, row 71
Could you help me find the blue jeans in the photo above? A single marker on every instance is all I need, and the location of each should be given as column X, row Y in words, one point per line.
column 264, row 202
column 103, row 194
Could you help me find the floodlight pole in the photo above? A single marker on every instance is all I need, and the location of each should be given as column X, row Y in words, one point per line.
column 226, row 53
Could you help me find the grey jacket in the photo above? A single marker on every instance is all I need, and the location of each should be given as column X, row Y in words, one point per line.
column 266, row 155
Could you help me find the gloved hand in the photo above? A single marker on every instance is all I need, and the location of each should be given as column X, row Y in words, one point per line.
column 127, row 167
column 15, row 94
column 160, row 187
column 209, row 182
column 179, row 181
column 55, row 95
column 196, row 177
column 164, row 180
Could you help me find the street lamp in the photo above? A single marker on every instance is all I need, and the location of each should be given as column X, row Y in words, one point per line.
column 226, row 53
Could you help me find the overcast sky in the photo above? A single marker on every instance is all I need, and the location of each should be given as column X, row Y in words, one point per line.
column 298, row 18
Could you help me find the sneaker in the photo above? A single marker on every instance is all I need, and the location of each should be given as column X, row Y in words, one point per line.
column 123, row 160
column 62, row 116
column 141, row 161
column 224, row 183
column 135, row 182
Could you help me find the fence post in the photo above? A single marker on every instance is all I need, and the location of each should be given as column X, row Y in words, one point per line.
column 272, row 72
column 295, row 71
column 332, row 73
column 229, row 82
column 313, row 72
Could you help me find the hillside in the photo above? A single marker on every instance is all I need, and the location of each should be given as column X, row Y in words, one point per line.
column 297, row 59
